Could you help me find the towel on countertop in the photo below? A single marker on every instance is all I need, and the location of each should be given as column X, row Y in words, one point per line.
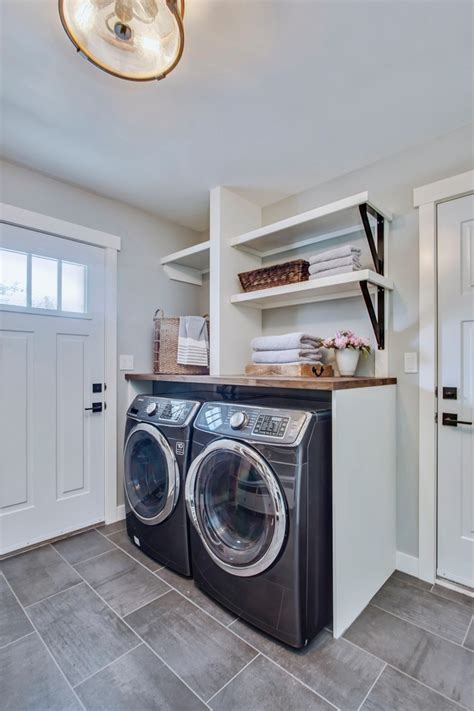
column 193, row 341
column 334, row 263
column 347, row 250
column 333, row 272
column 291, row 355
column 286, row 341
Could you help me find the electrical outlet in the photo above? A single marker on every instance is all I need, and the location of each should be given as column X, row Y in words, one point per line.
column 411, row 362
column 126, row 362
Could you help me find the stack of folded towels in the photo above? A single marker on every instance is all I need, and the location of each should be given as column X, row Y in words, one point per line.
column 335, row 261
column 288, row 348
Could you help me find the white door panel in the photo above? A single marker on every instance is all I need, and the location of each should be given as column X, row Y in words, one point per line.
column 456, row 369
column 52, row 448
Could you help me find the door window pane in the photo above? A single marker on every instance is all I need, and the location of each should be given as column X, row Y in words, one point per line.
column 73, row 287
column 13, row 276
column 44, row 283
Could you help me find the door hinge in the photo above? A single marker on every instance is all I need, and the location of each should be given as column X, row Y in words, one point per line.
column 436, row 417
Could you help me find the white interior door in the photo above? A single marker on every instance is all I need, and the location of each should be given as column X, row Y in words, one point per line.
column 51, row 353
column 456, row 372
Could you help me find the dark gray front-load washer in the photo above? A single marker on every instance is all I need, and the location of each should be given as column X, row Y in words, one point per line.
column 258, row 493
column 156, row 455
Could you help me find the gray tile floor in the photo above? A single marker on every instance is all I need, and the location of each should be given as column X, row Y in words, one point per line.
column 91, row 623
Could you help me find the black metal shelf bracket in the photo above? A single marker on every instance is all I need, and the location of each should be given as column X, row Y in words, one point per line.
column 377, row 318
column 376, row 251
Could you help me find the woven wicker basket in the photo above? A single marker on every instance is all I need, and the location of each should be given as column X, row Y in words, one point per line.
column 165, row 348
column 276, row 275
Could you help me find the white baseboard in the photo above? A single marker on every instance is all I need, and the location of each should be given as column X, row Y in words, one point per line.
column 407, row 563
column 119, row 514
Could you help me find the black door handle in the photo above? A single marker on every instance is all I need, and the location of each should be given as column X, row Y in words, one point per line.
column 450, row 419
column 96, row 407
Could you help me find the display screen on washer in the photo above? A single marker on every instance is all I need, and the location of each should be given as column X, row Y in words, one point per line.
column 271, row 425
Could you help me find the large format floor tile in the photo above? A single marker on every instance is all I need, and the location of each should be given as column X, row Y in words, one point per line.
column 29, row 679
column 436, row 662
column 454, row 596
column 334, row 668
column 38, row 574
column 434, row 613
column 13, row 621
column 81, row 631
column 188, row 587
column 85, row 545
column 122, row 540
column 140, row 681
column 469, row 641
column 121, row 581
column 111, row 528
column 203, row 652
column 262, row 686
column 398, row 692
column 416, row 582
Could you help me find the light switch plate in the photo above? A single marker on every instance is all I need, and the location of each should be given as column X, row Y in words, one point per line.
column 126, row 362
column 411, row 362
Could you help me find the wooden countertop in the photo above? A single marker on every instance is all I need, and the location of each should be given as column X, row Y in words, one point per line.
column 296, row 383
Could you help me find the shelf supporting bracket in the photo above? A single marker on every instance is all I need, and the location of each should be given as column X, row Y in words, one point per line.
column 377, row 319
column 376, row 250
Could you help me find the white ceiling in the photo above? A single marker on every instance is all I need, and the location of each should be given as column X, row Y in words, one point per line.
column 271, row 97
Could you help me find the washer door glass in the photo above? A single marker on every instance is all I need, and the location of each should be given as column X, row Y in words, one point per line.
column 150, row 472
column 239, row 508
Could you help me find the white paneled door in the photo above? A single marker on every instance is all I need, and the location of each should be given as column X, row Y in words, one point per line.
column 51, row 356
column 456, row 390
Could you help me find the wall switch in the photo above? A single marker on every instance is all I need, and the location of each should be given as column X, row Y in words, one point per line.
column 126, row 362
column 411, row 362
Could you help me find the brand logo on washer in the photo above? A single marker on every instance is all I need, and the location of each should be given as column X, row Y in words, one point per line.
column 180, row 449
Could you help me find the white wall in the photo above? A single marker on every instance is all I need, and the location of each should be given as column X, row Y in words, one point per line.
column 393, row 180
column 142, row 285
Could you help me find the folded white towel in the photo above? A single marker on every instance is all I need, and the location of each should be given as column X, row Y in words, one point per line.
column 334, row 263
column 347, row 250
column 292, row 355
column 333, row 272
column 285, row 342
column 193, row 341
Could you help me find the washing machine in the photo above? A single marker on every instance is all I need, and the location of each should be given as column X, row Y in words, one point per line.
column 258, row 494
column 157, row 447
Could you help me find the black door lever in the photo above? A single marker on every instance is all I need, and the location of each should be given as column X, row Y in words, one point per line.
column 450, row 419
column 96, row 407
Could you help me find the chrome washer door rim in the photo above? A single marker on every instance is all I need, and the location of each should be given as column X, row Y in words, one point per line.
column 274, row 489
column 172, row 471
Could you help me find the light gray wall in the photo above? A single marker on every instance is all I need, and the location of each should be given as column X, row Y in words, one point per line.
column 392, row 180
column 142, row 285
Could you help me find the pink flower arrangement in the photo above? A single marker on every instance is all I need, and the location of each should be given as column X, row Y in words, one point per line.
column 348, row 339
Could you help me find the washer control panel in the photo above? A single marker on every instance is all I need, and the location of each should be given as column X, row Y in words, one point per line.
column 163, row 410
column 260, row 424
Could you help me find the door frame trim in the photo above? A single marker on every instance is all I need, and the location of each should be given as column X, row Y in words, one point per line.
column 111, row 244
column 426, row 199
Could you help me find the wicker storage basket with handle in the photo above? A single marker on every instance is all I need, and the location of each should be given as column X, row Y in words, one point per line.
column 165, row 348
column 276, row 275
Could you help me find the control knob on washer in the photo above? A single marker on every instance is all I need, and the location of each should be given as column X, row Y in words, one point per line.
column 151, row 408
column 238, row 420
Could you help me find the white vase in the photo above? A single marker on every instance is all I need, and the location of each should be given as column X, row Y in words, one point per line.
column 347, row 360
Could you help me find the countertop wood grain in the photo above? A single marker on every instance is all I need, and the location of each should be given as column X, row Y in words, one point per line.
column 295, row 383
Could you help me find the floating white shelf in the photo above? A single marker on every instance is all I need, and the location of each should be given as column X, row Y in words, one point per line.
column 188, row 264
column 322, row 223
column 340, row 286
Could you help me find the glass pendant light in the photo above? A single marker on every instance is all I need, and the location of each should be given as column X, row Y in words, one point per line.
column 138, row 40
